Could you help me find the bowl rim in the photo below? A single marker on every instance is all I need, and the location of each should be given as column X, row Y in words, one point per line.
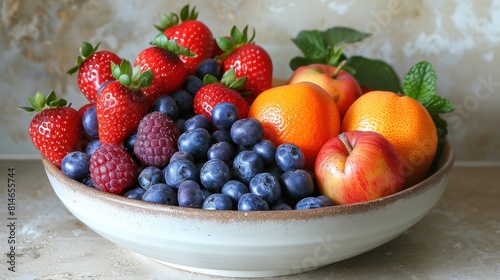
column 445, row 165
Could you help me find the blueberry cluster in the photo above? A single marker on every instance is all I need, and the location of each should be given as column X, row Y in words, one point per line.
column 219, row 164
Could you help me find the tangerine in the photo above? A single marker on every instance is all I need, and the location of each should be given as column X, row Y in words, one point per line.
column 404, row 122
column 303, row 114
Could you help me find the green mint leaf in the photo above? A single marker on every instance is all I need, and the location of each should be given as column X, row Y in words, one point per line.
column 420, row 82
column 336, row 56
column 338, row 35
column 311, row 43
column 374, row 74
column 438, row 105
column 442, row 131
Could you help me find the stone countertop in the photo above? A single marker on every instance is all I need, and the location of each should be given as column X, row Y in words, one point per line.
column 458, row 239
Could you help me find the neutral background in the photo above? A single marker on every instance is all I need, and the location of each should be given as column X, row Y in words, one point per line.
column 39, row 41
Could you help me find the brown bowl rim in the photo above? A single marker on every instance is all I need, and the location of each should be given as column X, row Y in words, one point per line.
column 446, row 162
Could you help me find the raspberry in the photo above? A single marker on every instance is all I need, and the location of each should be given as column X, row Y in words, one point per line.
column 112, row 169
column 156, row 139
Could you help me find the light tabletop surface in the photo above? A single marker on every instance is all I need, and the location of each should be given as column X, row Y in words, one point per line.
column 458, row 239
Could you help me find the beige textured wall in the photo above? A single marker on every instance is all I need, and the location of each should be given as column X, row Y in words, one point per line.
column 40, row 39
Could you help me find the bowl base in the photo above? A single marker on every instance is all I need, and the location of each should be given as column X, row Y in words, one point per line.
column 238, row 273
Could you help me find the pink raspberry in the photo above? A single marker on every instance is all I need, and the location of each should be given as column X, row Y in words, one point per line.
column 112, row 168
column 156, row 139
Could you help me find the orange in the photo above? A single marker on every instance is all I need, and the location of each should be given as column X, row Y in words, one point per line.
column 404, row 122
column 303, row 114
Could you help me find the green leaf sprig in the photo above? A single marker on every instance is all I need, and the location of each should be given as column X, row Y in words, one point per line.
column 420, row 83
column 327, row 47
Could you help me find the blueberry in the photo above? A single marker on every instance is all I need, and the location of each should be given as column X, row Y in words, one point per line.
column 135, row 193
column 252, row 202
column 266, row 186
column 92, row 146
column 241, row 148
column 297, row 184
column 129, row 143
column 309, row 203
column 248, row 132
column 192, row 84
column 247, row 164
column 88, row 181
column 182, row 155
column 266, row 150
column 166, row 104
column 89, row 122
column 224, row 115
column 221, row 136
column 275, row 170
column 214, row 174
column 76, row 165
column 180, row 124
column 217, row 201
column 281, row 206
column 179, row 171
column 326, row 200
column 184, row 102
column 234, row 189
column 221, row 150
column 206, row 193
column 196, row 141
column 190, row 194
column 198, row 121
column 149, row 176
column 209, row 66
column 161, row 193
column 289, row 157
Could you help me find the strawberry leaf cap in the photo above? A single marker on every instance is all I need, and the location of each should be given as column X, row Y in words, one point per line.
column 172, row 19
column 237, row 38
column 163, row 42
column 39, row 102
column 131, row 76
column 86, row 50
column 228, row 79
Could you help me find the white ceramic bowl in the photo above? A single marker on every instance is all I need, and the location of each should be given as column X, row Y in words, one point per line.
column 249, row 244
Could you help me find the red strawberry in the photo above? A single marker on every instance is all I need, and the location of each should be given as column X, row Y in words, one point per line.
column 57, row 129
column 190, row 33
column 168, row 69
column 247, row 59
column 112, row 168
column 213, row 93
column 93, row 69
column 121, row 104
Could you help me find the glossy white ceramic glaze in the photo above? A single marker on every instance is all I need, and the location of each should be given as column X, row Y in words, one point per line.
column 249, row 244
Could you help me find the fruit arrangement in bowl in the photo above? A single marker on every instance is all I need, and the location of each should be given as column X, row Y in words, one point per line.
column 195, row 156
